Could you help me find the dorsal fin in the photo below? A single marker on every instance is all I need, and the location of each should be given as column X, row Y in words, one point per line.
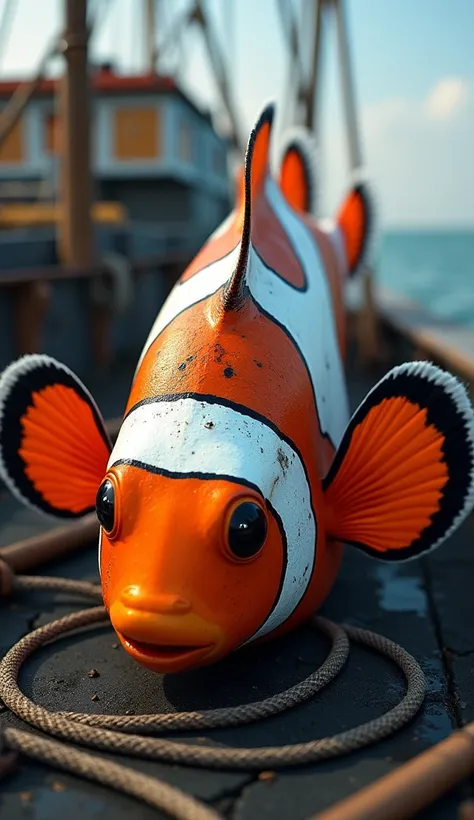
column 355, row 220
column 255, row 170
column 298, row 169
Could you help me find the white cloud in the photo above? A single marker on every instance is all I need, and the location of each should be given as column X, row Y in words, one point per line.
column 418, row 155
column 447, row 98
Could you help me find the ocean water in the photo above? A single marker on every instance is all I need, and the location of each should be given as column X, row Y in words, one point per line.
column 434, row 268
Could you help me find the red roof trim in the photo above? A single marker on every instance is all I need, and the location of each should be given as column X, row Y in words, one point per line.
column 104, row 82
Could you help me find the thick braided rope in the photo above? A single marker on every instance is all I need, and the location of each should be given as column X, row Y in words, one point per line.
column 102, row 732
column 93, row 767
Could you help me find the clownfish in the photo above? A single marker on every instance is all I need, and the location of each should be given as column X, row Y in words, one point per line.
column 238, row 474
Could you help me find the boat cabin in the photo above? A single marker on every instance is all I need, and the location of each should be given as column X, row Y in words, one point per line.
column 153, row 150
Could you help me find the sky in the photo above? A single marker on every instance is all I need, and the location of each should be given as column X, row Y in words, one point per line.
column 413, row 67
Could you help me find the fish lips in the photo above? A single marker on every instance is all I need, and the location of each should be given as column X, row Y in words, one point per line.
column 166, row 643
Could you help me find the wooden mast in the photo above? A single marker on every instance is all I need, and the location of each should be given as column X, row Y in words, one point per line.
column 76, row 241
column 370, row 348
column 76, row 244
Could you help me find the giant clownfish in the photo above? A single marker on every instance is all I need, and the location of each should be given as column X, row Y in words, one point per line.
column 237, row 474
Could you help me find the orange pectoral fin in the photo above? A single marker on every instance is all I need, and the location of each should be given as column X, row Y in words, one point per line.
column 403, row 477
column 54, row 446
column 354, row 219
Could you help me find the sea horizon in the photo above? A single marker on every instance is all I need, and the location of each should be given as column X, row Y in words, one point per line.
column 433, row 266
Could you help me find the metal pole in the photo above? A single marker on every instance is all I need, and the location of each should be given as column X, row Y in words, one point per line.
column 75, row 224
column 294, row 92
column 355, row 154
column 220, row 72
column 312, row 109
column 150, row 30
column 412, row 786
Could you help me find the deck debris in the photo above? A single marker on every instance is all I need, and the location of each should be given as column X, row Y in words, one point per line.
column 267, row 777
column 466, row 810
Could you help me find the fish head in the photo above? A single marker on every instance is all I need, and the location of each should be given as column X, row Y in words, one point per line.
column 190, row 565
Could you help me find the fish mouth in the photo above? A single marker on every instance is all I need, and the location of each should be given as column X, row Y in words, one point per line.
column 166, row 657
column 169, row 642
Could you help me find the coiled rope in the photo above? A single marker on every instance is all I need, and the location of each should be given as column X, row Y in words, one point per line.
column 117, row 733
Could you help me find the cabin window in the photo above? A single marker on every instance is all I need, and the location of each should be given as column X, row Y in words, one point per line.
column 185, row 141
column 11, row 149
column 137, row 134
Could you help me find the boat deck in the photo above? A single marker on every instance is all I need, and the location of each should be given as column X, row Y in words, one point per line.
column 427, row 606
column 451, row 344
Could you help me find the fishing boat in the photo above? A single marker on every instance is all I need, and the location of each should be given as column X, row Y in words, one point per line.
column 150, row 173
column 68, row 255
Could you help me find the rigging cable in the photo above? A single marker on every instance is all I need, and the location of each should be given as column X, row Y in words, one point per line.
column 9, row 9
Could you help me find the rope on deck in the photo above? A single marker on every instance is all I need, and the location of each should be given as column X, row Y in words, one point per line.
column 110, row 733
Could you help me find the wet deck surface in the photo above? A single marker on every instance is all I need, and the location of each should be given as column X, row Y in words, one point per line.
column 427, row 606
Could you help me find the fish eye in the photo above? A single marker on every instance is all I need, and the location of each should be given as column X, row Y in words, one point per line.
column 105, row 505
column 247, row 530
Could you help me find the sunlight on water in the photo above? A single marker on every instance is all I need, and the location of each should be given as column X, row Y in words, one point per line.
column 435, row 269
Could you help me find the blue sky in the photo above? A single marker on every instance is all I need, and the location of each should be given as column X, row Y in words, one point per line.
column 414, row 71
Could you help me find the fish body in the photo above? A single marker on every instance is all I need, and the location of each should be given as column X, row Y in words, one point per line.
column 238, row 474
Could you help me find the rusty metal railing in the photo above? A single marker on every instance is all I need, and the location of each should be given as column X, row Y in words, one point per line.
column 32, row 295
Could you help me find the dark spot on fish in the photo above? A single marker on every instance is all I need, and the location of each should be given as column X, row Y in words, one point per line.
column 324, row 400
column 182, row 366
column 209, row 425
column 190, row 358
column 229, row 372
column 326, row 362
column 219, row 352
column 305, row 570
column 261, row 449
column 275, row 482
column 243, row 336
column 259, row 364
column 282, row 460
